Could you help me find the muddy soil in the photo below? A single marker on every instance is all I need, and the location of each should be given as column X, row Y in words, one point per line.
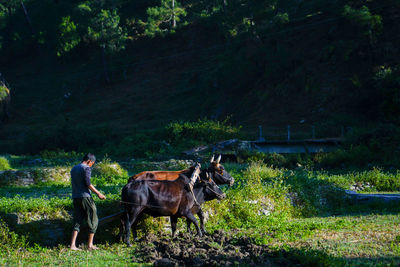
column 219, row 248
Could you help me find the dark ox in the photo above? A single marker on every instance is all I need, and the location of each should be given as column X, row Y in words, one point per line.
column 164, row 198
column 215, row 171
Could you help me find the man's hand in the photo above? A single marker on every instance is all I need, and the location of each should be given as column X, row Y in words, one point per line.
column 94, row 190
column 101, row 196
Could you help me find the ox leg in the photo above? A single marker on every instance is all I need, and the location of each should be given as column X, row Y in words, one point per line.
column 191, row 217
column 122, row 228
column 188, row 223
column 131, row 219
column 201, row 217
column 133, row 227
column 127, row 229
column 174, row 220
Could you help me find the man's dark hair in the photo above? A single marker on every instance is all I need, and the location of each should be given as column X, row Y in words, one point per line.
column 89, row 156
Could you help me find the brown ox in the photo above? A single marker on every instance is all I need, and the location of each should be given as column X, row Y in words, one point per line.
column 216, row 170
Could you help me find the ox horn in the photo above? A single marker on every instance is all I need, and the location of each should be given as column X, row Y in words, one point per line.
column 219, row 158
column 212, row 159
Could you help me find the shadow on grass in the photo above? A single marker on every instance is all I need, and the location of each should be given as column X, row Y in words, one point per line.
column 40, row 228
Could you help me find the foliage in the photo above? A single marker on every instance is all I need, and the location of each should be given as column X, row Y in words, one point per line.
column 161, row 19
column 106, row 30
column 4, row 92
column 69, row 36
column 10, row 240
column 387, row 82
column 378, row 179
column 370, row 25
column 198, row 132
column 60, row 154
column 266, row 204
column 4, row 164
column 108, row 172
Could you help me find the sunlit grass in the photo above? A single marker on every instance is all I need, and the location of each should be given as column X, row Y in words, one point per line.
column 277, row 207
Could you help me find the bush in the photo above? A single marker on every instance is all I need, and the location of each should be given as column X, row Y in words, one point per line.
column 60, row 153
column 311, row 195
column 138, row 145
column 380, row 180
column 108, row 172
column 259, row 197
column 359, row 155
column 4, row 92
column 10, row 240
column 277, row 160
column 4, row 164
column 200, row 132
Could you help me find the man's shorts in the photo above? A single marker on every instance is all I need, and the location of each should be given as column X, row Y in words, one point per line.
column 85, row 210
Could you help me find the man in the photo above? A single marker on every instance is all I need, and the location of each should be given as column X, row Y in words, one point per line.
column 84, row 207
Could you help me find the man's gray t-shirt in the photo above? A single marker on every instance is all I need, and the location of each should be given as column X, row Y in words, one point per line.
column 80, row 180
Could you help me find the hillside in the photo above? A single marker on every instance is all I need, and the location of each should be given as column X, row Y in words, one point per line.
column 270, row 63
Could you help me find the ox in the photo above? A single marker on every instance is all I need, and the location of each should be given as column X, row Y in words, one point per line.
column 217, row 171
column 164, row 198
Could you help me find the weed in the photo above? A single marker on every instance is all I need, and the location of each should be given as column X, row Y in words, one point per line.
column 4, row 164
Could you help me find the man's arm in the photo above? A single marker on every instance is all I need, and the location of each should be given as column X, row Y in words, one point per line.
column 94, row 190
column 88, row 173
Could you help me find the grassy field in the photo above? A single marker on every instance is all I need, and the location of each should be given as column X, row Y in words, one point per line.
column 290, row 215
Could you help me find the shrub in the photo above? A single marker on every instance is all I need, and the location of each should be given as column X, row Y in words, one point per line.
column 60, row 153
column 4, row 164
column 277, row 160
column 4, row 92
column 108, row 172
column 258, row 198
column 380, row 180
column 311, row 194
column 202, row 131
column 359, row 155
column 9, row 239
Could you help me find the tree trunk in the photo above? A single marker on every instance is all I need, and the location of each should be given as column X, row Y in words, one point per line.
column 173, row 14
column 28, row 19
column 103, row 56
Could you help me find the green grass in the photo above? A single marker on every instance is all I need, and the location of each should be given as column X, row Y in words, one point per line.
column 357, row 239
column 108, row 255
column 297, row 223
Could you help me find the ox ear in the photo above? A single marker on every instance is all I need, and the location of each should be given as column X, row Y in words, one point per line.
column 212, row 159
column 219, row 158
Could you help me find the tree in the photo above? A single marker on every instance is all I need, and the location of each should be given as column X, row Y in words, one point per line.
column 10, row 5
column 105, row 30
column 365, row 24
column 163, row 19
column 69, row 36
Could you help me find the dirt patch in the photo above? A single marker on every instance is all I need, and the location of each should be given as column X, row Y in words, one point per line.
column 219, row 248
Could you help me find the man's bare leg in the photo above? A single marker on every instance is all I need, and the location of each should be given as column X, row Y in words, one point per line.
column 90, row 242
column 73, row 240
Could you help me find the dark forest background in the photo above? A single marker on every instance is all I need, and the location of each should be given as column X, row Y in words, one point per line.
column 140, row 78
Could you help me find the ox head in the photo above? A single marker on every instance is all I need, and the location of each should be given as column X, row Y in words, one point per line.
column 211, row 189
column 218, row 172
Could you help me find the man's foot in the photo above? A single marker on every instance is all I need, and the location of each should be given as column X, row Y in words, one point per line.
column 75, row 248
column 92, row 248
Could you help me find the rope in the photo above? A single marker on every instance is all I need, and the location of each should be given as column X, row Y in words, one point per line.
column 219, row 195
column 193, row 179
